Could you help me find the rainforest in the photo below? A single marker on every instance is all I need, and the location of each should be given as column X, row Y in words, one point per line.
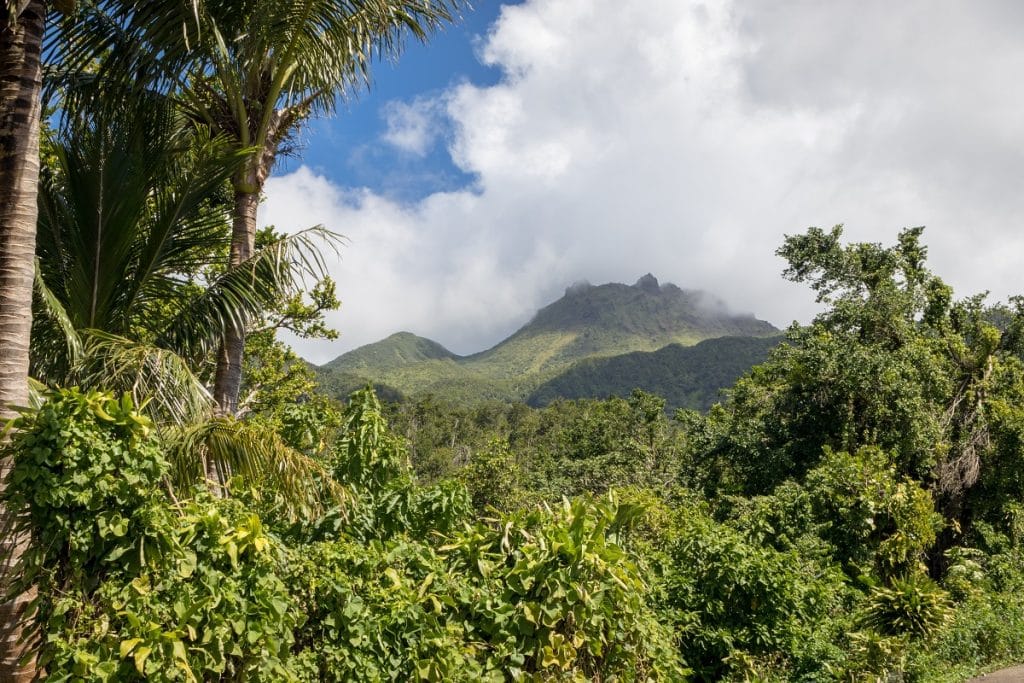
column 630, row 488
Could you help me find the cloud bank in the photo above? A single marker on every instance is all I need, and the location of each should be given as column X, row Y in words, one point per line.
column 685, row 139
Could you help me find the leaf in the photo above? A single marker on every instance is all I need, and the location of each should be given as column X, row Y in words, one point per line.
column 436, row 604
column 128, row 645
column 425, row 585
column 187, row 564
column 393, row 576
column 140, row 656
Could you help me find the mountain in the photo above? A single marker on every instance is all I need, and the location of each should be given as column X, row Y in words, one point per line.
column 685, row 376
column 611, row 319
column 398, row 350
column 588, row 322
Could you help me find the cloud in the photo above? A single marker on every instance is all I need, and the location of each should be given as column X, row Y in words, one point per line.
column 686, row 139
column 412, row 127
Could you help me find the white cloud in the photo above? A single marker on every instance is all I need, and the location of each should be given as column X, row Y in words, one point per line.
column 412, row 127
column 685, row 139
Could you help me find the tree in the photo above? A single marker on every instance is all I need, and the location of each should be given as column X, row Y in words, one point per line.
column 130, row 228
column 133, row 292
column 21, row 38
column 893, row 362
column 253, row 71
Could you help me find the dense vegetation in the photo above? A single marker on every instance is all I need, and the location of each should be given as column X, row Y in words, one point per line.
column 853, row 509
column 873, row 533
column 685, row 376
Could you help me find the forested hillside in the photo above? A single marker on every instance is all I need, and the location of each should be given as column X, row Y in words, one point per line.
column 547, row 357
column 685, row 376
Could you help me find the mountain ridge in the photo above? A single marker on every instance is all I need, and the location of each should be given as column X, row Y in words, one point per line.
column 587, row 322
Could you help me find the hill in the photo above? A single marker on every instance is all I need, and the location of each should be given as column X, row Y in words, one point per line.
column 588, row 322
column 685, row 376
column 397, row 351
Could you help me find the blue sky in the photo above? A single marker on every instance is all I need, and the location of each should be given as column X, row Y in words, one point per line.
column 347, row 147
column 553, row 141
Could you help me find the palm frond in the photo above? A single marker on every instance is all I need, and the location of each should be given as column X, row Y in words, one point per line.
column 145, row 371
column 234, row 448
column 124, row 202
column 109, row 51
column 56, row 345
column 181, row 229
column 236, row 61
column 331, row 45
column 37, row 393
column 241, row 295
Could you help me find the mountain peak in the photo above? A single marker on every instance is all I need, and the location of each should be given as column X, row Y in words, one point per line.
column 398, row 350
column 577, row 287
column 648, row 283
column 590, row 321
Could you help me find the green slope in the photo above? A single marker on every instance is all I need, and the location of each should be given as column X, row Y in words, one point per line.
column 587, row 322
column 685, row 376
column 612, row 319
column 399, row 350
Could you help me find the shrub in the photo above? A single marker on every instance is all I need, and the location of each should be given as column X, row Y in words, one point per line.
column 734, row 601
column 875, row 520
column 914, row 606
column 557, row 597
column 131, row 584
column 382, row 611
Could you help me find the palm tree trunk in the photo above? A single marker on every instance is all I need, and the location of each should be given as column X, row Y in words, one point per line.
column 20, row 86
column 228, row 379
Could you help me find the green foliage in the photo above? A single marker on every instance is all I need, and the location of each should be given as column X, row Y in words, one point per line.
column 591, row 446
column 560, row 598
column 985, row 632
column 381, row 612
column 893, row 362
column 543, row 596
column 733, row 600
column 535, row 596
column 852, row 512
column 875, row 521
column 494, row 477
column 213, row 608
column 131, row 585
column 913, row 606
column 367, row 454
column 244, row 455
column 279, row 388
column 83, row 475
column 133, row 289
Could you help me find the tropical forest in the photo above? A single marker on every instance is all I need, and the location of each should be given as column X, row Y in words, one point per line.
column 637, row 485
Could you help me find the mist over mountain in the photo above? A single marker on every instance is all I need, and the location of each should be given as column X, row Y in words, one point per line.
column 588, row 322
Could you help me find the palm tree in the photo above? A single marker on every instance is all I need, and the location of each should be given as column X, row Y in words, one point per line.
column 125, row 299
column 253, row 70
column 130, row 226
column 21, row 36
column 295, row 59
column 20, row 84
column 281, row 61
